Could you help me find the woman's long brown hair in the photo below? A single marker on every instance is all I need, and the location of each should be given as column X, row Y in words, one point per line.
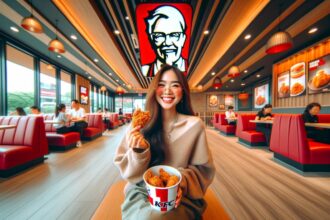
column 153, row 131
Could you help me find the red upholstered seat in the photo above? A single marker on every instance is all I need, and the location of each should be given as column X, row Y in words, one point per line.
column 324, row 118
column 59, row 141
column 215, row 120
column 224, row 126
column 95, row 126
column 290, row 144
column 22, row 146
column 246, row 131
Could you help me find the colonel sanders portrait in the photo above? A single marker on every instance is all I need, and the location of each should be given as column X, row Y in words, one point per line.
column 166, row 31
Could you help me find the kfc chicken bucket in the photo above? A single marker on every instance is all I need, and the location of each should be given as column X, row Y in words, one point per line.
column 162, row 183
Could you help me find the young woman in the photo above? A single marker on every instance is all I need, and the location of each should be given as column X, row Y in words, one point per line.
column 310, row 116
column 176, row 138
column 264, row 115
column 19, row 111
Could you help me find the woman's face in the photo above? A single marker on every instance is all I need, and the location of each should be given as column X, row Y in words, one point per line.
column 314, row 111
column 169, row 90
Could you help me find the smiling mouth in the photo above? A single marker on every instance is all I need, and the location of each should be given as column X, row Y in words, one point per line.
column 168, row 50
column 167, row 99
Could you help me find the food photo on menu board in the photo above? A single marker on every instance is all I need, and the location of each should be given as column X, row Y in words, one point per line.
column 283, row 84
column 319, row 75
column 83, row 95
column 297, row 79
column 261, row 96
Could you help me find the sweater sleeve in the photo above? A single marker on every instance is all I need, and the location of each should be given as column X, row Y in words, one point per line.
column 200, row 172
column 131, row 164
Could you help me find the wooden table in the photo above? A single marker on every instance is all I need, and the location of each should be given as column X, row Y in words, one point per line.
column 3, row 127
column 262, row 122
column 318, row 125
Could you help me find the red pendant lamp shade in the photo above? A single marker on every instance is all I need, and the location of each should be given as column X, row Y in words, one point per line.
column 32, row 24
column 120, row 90
column 243, row 96
column 233, row 72
column 56, row 46
column 217, row 83
column 279, row 42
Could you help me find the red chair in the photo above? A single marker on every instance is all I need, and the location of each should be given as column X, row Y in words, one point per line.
column 290, row 145
column 246, row 131
column 324, row 118
column 224, row 127
column 23, row 146
column 59, row 142
column 95, row 126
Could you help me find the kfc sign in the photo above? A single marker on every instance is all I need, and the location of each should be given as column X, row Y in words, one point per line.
column 164, row 35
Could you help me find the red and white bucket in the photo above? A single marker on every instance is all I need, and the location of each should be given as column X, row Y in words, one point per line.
column 163, row 198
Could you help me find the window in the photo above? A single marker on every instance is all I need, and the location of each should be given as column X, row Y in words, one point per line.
column 47, row 88
column 139, row 102
column 66, row 91
column 20, row 80
column 118, row 103
column 127, row 104
column 94, row 99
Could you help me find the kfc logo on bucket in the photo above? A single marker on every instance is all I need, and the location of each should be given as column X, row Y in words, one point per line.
column 163, row 198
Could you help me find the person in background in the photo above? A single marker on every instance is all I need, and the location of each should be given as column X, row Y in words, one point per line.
column 174, row 137
column 35, row 110
column 99, row 110
column 106, row 119
column 78, row 117
column 18, row 111
column 264, row 115
column 120, row 111
column 310, row 116
column 230, row 115
column 61, row 127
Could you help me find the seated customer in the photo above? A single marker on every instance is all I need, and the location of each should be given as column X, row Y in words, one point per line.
column 18, row 111
column 35, row 110
column 78, row 117
column 230, row 115
column 263, row 115
column 61, row 127
column 310, row 116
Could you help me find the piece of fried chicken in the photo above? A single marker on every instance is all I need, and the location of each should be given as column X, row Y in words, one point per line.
column 140, row 118
column 172, row 180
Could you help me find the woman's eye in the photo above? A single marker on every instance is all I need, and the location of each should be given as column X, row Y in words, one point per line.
column 176, row 85
column 161, row 85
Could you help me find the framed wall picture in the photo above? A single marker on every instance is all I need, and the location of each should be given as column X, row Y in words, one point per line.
column 283, row 85
column 213, row 100
column 261, row 96
column 319, row 75
column 229, row 100
column 298, row 79
column 84, row 94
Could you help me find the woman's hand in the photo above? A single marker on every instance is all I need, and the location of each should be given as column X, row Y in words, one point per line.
column 178, row 198
column 136, row 140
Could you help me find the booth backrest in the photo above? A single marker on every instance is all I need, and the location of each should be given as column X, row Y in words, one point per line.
column 289, row 137
column 216, row 118
column 49, row 127
column 223, row 120
column 95, row 121
column 324, row 118
column 244, row 124
column 29, row 131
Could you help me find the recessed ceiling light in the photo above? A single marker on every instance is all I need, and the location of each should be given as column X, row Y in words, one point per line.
column 110, row 74
column 89, row 77
column 96, row 60
column 117, row 80
column 312, row 30
column 123, row 84
column 248, row 36
column 74, row 37
column 245, row 71
column 213, row 73
column 206, row 32
column 242, row 84
column 116, row 32
column 258, row 75
column 15, row 29
column 232, row 80
column 127, row 18
column 59, row 56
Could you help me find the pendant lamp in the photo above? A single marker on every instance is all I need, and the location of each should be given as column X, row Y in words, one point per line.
column 30, row 23
column 55, row 45
column 217, row 83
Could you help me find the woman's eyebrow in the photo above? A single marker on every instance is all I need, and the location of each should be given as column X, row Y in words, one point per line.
column 169, row 81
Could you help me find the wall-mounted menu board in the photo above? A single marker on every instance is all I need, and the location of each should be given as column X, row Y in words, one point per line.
column 261, row 96
column 229, row 100
column 298, row 79
column 283, row 84
column 319, row 75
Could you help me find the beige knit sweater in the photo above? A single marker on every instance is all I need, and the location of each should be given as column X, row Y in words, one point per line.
column 187, row 150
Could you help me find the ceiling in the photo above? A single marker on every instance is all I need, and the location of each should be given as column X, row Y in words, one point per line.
column 228, row 21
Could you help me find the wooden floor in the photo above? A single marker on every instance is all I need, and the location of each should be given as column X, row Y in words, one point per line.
column 249, row 184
